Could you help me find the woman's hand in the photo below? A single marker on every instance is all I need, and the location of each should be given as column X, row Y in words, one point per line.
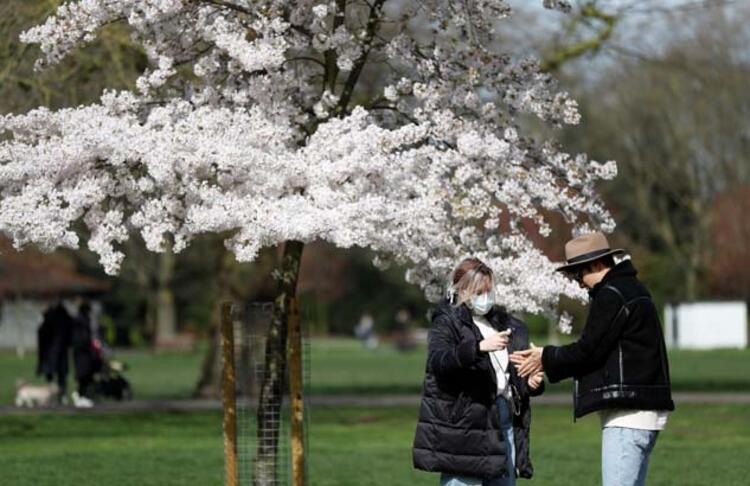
column 536, row 380
column 496, row 342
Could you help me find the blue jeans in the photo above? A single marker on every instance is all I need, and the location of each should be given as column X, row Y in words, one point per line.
column 506, row 428
column 625, row 454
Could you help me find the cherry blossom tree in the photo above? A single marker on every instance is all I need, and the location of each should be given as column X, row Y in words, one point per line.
column 391, row 125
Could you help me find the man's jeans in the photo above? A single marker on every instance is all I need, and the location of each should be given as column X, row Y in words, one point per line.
column 506, row 426
column 625, row 454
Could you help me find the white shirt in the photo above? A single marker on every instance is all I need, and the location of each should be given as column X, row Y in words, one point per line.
column 634, row 419
column 499, row 359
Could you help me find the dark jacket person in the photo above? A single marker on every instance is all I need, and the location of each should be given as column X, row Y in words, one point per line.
column 85, row 360
column 619, row 363
column 53, row 343
column 474, row 415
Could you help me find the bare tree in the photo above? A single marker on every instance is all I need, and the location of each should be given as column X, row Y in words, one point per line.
column 677, row 124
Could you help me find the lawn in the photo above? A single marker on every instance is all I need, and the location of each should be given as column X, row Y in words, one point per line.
column 152, row 375
column 703, row 445
column 341, row 366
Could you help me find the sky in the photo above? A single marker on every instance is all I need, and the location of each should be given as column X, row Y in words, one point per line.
column 645, row 26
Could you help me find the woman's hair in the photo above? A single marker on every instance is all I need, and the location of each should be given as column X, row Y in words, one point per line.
column 471, row 277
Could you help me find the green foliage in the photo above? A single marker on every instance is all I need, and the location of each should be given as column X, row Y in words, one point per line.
column 662, row 275
column 111, row 62
column 135, row 337
column 107, row 327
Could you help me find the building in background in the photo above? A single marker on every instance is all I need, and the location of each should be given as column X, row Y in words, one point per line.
column 30, row 282
column 706, row 325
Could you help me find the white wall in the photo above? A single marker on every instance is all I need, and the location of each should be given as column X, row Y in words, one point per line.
column 706, row 325
column 19, row 321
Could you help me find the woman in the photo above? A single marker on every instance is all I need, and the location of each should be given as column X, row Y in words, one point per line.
column 474, row 418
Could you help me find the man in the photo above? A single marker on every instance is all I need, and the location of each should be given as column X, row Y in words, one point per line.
column 619, row 363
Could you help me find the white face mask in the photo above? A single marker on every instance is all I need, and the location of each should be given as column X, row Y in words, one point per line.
column 481, row 304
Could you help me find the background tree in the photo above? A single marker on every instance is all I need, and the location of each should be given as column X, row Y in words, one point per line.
column 679, row 134
column 729, row 263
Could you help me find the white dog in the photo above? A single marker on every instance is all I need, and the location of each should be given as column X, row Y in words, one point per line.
column 28, row 395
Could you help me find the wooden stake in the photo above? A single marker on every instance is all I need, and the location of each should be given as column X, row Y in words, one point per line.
column 228, row 380
column 295, row 391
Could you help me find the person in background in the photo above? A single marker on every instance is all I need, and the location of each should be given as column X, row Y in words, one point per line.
column 53, row 343
column 85, row 358
column 619, row 363
column 475, row 415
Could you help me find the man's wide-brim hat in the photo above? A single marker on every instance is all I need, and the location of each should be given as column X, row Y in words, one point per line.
column 586, row 248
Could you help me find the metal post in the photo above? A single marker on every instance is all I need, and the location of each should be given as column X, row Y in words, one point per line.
column 228, row 380
column 295, row 392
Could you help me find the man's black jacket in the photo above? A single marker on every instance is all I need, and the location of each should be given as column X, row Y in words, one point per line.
column 620, row 360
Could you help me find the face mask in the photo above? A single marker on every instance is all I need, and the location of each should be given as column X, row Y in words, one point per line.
column 481, row 304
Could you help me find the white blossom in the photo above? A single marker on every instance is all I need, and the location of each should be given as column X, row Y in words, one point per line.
column 390, row 93
column 235, row 128
column 565, row 324
column 320, row 11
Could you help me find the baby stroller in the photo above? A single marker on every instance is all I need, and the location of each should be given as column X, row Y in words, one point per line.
column 109, row 381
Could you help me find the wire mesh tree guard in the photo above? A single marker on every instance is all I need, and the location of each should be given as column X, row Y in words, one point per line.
column 263, row 384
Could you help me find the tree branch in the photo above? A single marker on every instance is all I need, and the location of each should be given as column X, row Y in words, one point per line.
column 306, row 58
column 567, row 53
column 393, row 108
column 359, row 64
column 229, row 5
column 332, row 70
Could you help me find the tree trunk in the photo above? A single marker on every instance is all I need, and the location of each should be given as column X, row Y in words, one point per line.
column 265, row 469
column 143, row 263
column 166, row 314
column 210, row 380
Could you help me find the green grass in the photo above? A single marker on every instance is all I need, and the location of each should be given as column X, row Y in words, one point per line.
column 341, row 366
column 703, row 444
column 720, row 370
column 139, row 449
column 367, row 447
column 152, row 375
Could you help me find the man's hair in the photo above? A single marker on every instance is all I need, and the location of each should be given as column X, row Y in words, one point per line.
column 608, row 261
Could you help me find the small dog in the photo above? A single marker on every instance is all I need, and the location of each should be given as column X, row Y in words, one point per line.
column 28, row 395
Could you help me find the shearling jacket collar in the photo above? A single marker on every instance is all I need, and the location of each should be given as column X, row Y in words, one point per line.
column 624, row 269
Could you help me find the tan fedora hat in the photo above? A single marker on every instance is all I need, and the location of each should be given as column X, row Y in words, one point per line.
column 586, row 248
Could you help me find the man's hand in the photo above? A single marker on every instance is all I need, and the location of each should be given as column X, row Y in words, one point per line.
column 528, row 362
column 536, row 380
column 496, row 342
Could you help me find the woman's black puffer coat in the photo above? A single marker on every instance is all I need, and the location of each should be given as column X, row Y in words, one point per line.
column 459, row 428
